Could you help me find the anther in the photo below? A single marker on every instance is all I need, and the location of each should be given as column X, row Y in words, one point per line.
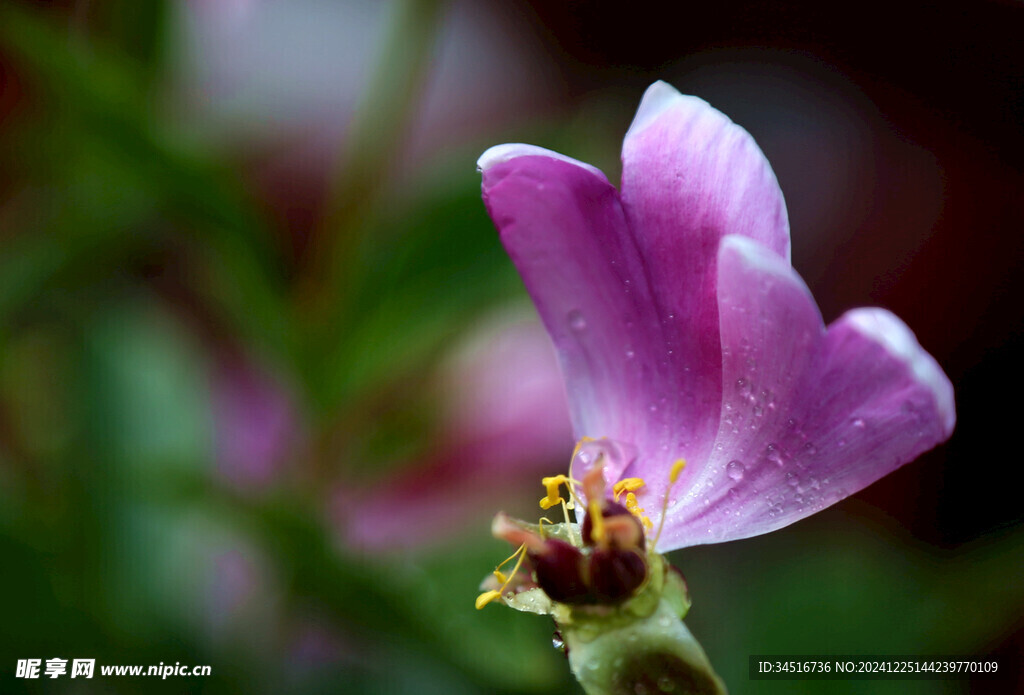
column 626, row 485
column 553, row 497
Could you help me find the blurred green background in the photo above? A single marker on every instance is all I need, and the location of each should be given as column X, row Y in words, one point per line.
column 266, row 373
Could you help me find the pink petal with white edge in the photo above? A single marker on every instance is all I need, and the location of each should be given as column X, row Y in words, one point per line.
column 563, row 227
column 809, row 416
column 689, row 177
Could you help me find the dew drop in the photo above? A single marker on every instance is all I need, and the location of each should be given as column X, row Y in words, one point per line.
column 576, row 320
column 666, row 684
column 792, row 480
column 630, row 354
column 557, row 642
column 735, row 470
column 858, row 423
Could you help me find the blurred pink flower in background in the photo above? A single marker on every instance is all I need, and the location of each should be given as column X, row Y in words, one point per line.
column 256, row 424
column 296, row 69
column 278, row 82
column 505, row 422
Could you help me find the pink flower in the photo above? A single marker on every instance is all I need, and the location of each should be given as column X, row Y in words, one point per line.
column 255, row 423
column 503, row 420
column 684, row 332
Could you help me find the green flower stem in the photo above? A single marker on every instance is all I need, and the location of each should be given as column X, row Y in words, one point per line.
column 656, row 654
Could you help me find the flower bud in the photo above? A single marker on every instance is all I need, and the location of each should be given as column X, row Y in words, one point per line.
column 616, row 574
column 559, row 570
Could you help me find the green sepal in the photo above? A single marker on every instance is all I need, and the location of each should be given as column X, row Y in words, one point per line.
column 654, row 654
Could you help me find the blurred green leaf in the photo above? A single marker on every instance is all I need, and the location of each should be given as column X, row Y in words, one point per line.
column 423, row 275
column 106, row 101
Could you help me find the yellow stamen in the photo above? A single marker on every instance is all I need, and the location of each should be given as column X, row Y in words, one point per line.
column 596, row 520
column 486, row 597
column 626, row 485
column 673, row 476
column 552, row 484
column 511, row 557
column 634, row 508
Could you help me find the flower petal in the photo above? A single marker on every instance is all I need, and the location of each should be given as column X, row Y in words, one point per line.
column 563, row 226
column 809, row 416
column 689, row 177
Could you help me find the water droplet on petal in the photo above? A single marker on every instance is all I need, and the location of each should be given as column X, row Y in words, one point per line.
column 630, row 354
column 858, row 423
column 576, row 321
column 735, row 470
